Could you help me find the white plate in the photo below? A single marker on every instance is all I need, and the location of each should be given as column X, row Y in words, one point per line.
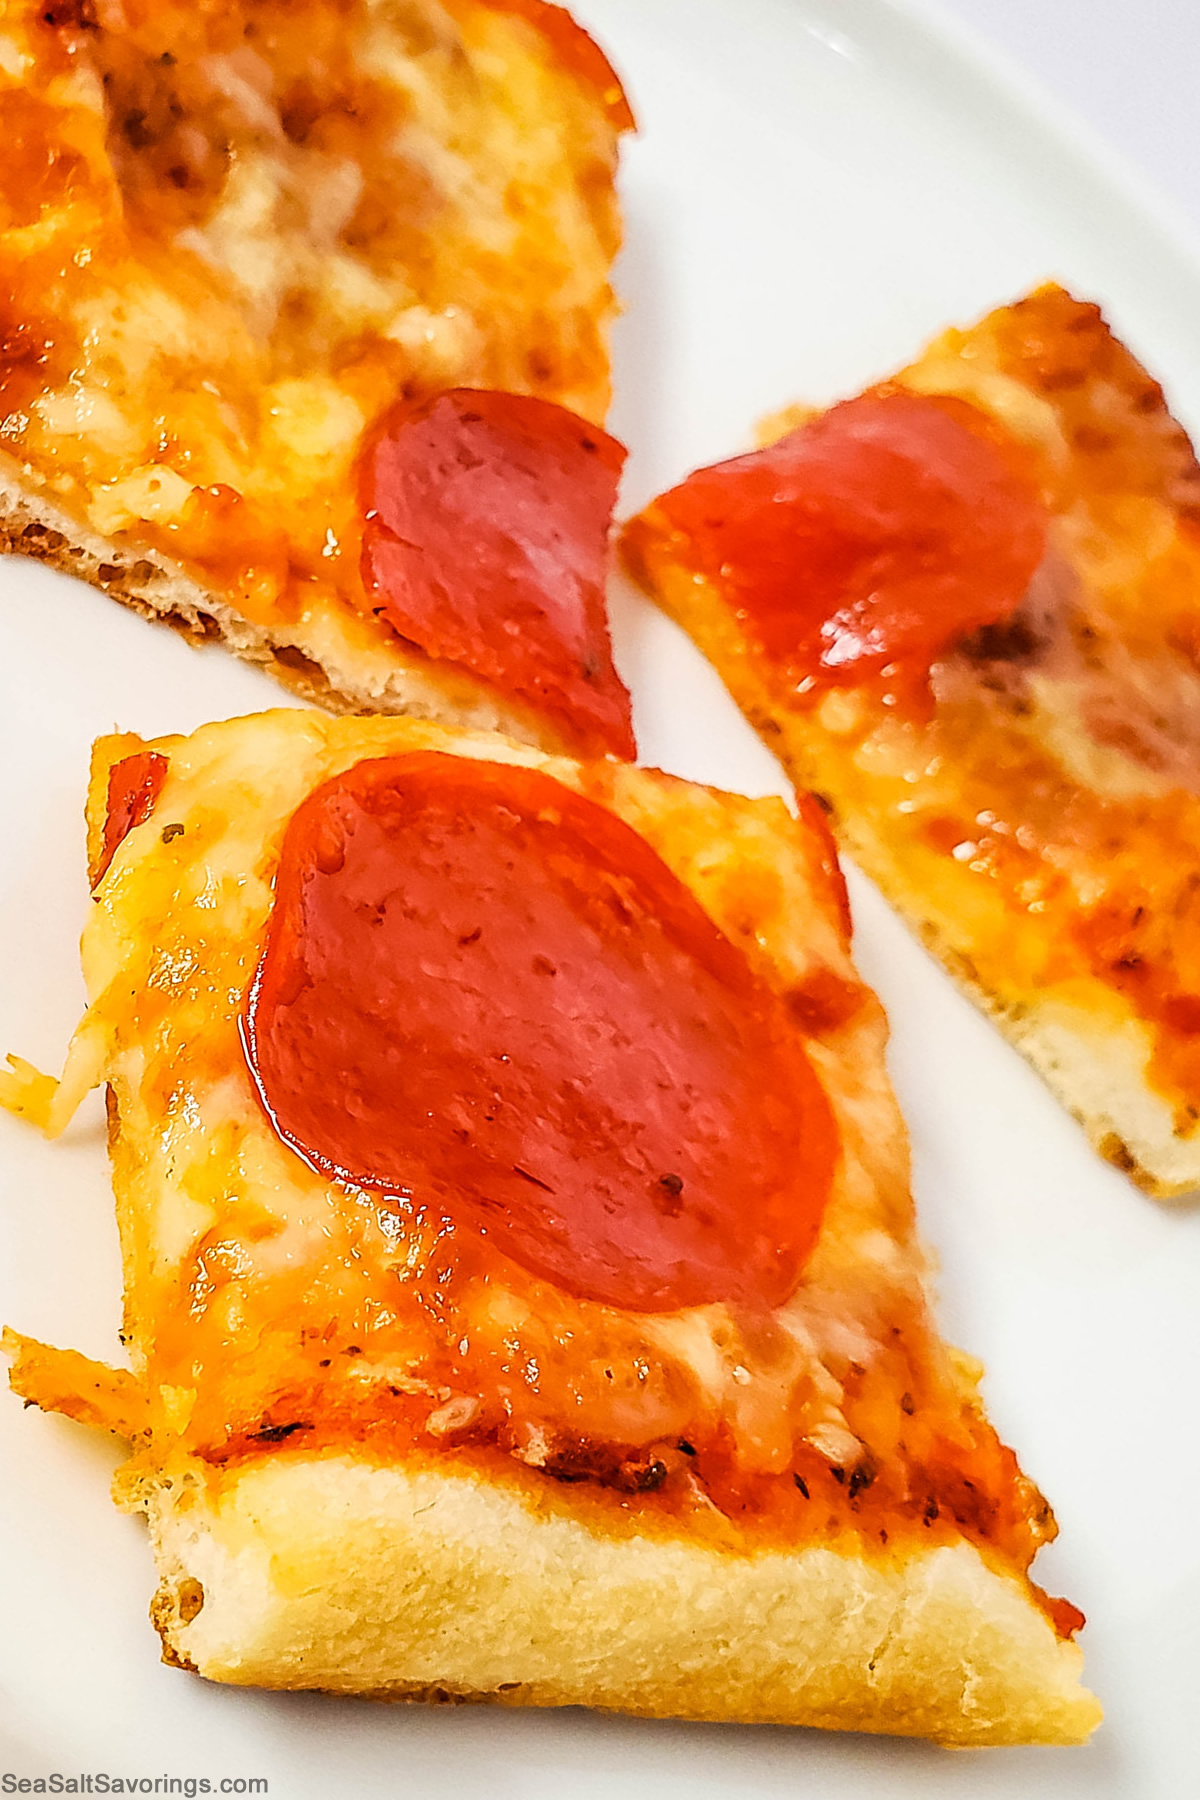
column 819, row 186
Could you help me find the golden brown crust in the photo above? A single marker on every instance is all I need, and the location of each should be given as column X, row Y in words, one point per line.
column 334, row 661
column 425, row 1580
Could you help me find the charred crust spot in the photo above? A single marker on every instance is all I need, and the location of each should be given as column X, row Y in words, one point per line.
column 1116, row 1151
column 191, row 1599
column 672, row 1183
column 170, row 832
column 289, row 657
column 932, row 1510
column 166, row 1610
column 907, row 1405
column 41, row 540
column 801, row 1484
column 174, row 1659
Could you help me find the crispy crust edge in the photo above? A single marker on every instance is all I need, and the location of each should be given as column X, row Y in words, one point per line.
column 315, row 656
column 415, row 1581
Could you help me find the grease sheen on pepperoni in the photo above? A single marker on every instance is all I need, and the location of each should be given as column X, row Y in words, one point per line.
column 884, row 529
column 485, row 543
column 485, row 992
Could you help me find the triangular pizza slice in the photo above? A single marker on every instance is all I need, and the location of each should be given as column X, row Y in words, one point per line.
column 522, row 1290
column 251, row 254
column 964, row 607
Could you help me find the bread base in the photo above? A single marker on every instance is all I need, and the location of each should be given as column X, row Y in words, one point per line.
column 327, row 655
column 436, row 1581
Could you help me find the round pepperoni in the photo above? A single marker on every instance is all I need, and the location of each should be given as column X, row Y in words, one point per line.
column 486, row 543
column 484, row 992
column 882, row 530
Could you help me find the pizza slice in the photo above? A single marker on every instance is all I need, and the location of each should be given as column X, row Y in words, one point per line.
column 251, row 254
column 964, row 607
column 522, row 1292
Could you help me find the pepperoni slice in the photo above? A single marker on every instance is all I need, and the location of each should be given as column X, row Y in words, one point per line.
column 134, row 785
column 486, row 992
column 486, row 544
column 882, row 530
column 578, row 53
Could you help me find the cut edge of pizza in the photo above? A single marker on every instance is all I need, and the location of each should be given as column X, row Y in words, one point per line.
column 1016, row 777
column 681, row 1465
column 238, row 246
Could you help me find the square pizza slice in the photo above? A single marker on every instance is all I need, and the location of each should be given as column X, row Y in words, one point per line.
column 523, row 1296
column 252, row 252
column 964, row 607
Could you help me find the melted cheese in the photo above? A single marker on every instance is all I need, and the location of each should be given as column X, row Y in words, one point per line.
column 1038, row 812
column 230, row 236
column 264, row 1301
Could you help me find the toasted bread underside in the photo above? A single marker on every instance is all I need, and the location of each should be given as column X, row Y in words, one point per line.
column 327, row 655
column 421, row 1581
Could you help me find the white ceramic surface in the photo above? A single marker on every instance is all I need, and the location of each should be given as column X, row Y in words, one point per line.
column 819, row 186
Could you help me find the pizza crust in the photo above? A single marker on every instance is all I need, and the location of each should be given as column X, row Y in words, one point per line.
column 411, row 1581
column 326, row 656
column 357, row 1563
